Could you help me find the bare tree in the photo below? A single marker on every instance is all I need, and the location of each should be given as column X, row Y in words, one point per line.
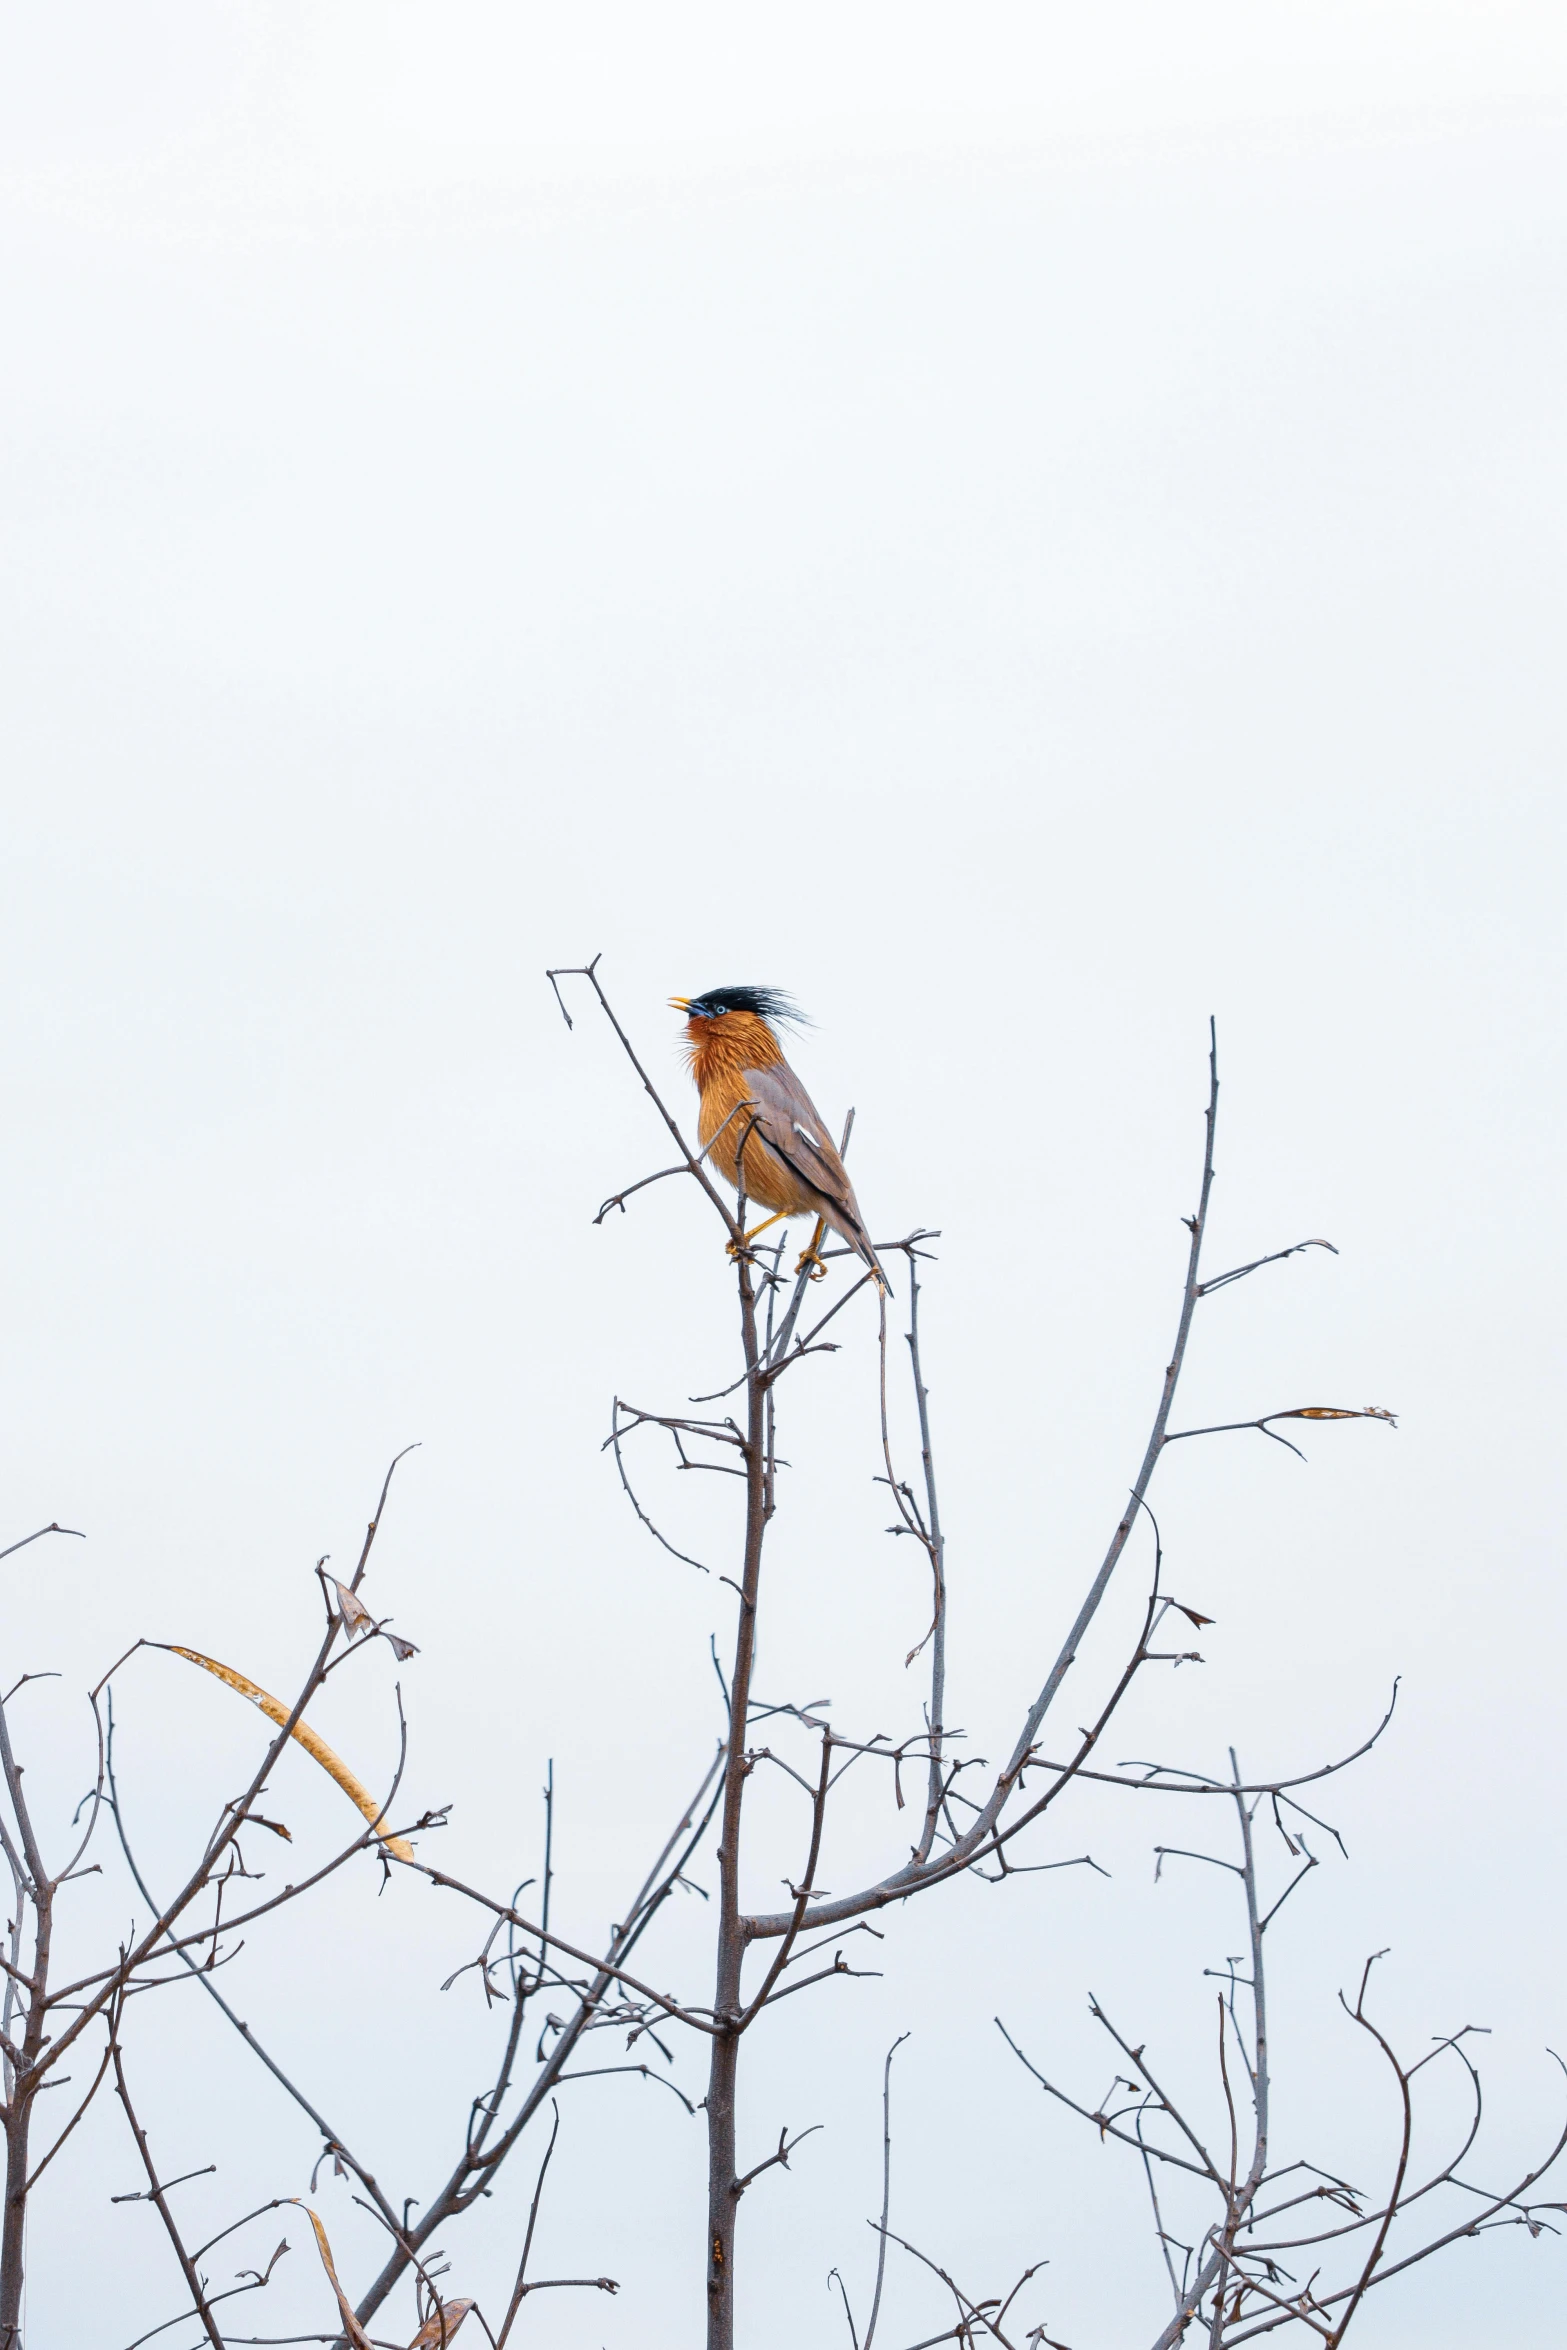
column 1230, row 2271
column 958, row 1831
column 1289, row 2247
column 189, row 1938
column 45, row 2020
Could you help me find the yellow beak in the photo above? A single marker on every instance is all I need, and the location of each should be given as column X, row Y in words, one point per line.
column 680, row 1003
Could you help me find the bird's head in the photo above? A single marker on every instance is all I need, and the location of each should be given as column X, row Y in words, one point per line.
column 741, row 1019
column 766, row 1004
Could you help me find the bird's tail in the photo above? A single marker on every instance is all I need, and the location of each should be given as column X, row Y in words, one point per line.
column 860, row 1240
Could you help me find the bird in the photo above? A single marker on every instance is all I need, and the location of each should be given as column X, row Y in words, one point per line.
column 770, row 1141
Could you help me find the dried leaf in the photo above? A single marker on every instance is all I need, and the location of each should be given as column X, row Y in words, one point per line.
column 351, row 2325
column 402, row 1649
column 1322, row 1411
column 449, row 2317
column 355, row 1789
column 1190, row 1613
column 356, row 1616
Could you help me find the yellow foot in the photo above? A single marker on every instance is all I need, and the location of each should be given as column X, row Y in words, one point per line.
column 811, row 1261
column 732, row 1248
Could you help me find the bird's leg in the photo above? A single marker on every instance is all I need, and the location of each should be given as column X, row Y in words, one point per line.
column 733, row 1247
column 810, row 1261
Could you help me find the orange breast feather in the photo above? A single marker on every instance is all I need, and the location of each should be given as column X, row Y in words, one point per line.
column 721, row 1052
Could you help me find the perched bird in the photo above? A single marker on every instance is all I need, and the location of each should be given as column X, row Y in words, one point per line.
column 771, row 1143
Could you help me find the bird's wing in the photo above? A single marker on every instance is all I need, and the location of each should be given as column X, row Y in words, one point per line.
column 786, row 1121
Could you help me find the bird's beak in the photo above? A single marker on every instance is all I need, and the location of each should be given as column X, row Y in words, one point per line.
column 680, row 1003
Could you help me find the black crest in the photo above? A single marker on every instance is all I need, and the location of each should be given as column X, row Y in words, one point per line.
column 768, row 1003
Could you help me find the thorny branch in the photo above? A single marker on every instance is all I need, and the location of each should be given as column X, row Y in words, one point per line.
column 157, row 2193
column 1232, row 2279
column 201, row 1947
column 944, row 1847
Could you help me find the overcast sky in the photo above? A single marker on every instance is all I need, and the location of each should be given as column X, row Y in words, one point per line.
column 1028, row 527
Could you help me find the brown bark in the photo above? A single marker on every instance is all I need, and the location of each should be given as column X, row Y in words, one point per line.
column 723, row 2197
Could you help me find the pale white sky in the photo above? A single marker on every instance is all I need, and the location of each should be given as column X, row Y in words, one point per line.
column 1027, row 529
